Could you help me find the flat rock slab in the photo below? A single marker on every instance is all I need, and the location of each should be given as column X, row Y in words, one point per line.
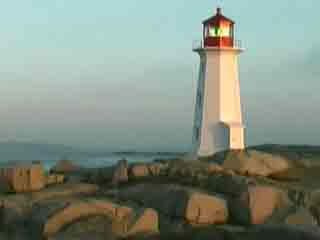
column 180, row 202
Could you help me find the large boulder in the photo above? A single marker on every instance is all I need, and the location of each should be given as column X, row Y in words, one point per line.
column 65, row 167
column 314, row 198
column 50, row 217
column 22, row 176
column 264, row 201
column 52, row 179
column 249, row 202
column 138, row 222
column 256, row 163
column 257, row 205
column 157, row 169
column 15, row 208
column 113, row 175
column 139, row 170
column 214, row 168
column 120, row 173
column 193, row 168
column 301, row 217
column 313, row 203
column 179, row 202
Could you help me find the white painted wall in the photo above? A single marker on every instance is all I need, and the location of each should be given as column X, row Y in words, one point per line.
column 218, row 118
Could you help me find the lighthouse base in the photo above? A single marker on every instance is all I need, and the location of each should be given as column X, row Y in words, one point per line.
column 221, row 136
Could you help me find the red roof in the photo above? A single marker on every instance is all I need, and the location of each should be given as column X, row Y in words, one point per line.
column 217, row 18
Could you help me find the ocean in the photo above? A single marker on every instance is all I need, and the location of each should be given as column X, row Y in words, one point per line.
column 111, row 159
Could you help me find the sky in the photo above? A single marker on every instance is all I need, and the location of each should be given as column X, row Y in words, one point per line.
column 121, row 75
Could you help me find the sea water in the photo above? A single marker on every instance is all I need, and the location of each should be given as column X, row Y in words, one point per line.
column 111, row 159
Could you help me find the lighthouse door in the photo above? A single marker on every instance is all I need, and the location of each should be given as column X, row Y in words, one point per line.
column 221, row 137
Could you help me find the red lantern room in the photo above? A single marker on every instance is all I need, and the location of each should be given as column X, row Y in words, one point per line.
column 218, row 31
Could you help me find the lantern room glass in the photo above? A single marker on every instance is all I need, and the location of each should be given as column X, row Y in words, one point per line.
column 216, row 31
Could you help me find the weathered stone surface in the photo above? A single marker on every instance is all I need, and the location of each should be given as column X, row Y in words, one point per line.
column 313, row 204
column 76, row 179
column 263, row 232
column 187, row 168
column 255, row 163
column 65, row 166
column 54, row 179
column 142, row 221
column 14, row 208
column 267, row 232
column 120, row 173
column 247, row 203
column 227, row 184
column 193, row 168
column 91, row 228
column 64, row 190
column 257, row 205
column 229, row 172
column 156, row 169
column 5, row 186
column 52, row 216
column 314, row 198
column 139, row 170
column 175, row 201
column 18, row 234
column 4, row 236
column 301, row 217
column 263, row 201
column 214, row 168
column 101, row 175
column 168, row 224
column 206, row 209
column 23, row 176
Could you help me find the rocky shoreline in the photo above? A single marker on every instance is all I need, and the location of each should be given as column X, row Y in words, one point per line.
column 233, row 196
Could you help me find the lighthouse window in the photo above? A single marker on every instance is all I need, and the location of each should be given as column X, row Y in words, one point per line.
column 225, row 31
column 219, row 32
column 206, row 31
column 197, row 133
column 215, row 32
column 199, row 99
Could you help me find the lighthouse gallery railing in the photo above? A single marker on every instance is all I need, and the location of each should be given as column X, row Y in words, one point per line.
column 198, row 44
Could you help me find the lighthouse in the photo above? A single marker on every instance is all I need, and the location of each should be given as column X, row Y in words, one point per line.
column 218, row 124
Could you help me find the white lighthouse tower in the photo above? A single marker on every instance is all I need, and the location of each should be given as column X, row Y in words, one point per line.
column 218, row 122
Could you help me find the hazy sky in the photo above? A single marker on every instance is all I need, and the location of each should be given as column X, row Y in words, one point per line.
column 122, row 75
